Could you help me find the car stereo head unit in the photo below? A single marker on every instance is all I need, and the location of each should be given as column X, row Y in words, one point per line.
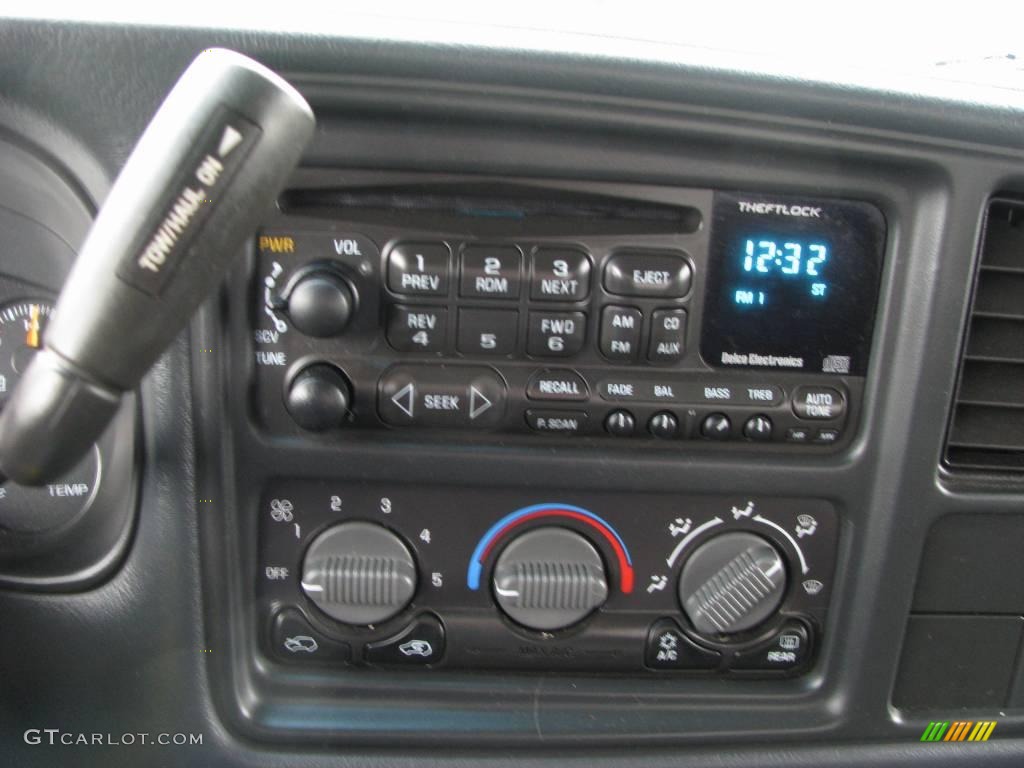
column 564, row 310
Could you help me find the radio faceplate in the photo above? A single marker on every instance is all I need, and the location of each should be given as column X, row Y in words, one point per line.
column 368, row 317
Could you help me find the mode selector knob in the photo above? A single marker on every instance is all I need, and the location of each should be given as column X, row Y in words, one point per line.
column 359, row 573
column 732, row 583
column 320, row 303
column 549, row 578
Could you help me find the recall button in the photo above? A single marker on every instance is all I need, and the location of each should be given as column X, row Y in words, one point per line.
column 657, row 275
column 556, row 422
column 818, row 403
column 563, row 385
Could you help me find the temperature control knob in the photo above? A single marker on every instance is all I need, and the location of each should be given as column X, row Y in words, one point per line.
column 320, row 303
column 359, row 573
column 731, row 583
column 549, row 578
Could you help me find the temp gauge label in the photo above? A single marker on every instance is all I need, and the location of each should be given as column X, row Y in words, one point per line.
column 22, row 328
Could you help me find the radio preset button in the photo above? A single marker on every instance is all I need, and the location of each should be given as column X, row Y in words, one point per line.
column 668, row 336
column 441, row 396
column 758, row 428
column 620, row 333
column 655, row 275
column 560, row 274
column 562, row 385
column 818, row 403
column 620, row 423
column 417, row 329
column 556, row 422
column 419, row 269
column 488, row 331
column 556, row 334
column 663, row 425
column 716, row 426
column 491, row 271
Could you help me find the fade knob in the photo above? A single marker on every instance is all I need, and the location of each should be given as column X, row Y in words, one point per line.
column 732, row 583
column 359, row 573
column 549, row 578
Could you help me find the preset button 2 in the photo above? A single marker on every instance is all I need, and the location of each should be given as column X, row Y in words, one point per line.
column 491, row 271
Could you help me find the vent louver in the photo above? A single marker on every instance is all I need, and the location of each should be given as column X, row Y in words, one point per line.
column 987, row 429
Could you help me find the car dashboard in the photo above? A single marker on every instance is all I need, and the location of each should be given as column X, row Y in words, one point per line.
column 563, row 407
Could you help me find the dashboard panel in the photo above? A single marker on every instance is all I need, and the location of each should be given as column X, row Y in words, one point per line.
column 439, row 467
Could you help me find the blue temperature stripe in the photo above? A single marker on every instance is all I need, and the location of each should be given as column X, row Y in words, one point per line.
column 476, row 565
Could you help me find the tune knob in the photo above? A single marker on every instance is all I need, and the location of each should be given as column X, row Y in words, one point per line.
column 549, row 578
column 731, row 583
column 320, row 303
column 359, row 573
column 318, row 398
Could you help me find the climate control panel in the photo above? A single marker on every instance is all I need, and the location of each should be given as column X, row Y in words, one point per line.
column 352, row 575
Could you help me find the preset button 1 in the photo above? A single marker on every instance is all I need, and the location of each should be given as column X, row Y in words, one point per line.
column 419, row 269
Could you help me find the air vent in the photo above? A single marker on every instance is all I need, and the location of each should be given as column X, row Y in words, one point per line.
column 987, row 430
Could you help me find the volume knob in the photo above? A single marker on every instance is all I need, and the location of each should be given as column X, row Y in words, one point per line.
column 549, row 578
column 732, row 583
column 359, row 573
column 320, row 304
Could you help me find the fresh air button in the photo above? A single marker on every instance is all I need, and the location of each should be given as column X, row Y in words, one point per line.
column 417, row 329
column 556, row 422
column 422, row 642
column 786, row 650
column 293, row 639
column 668, row 336
column 556, row 334
column 488, row 331
column 819, row 403
column 620, row 332
column 441, row 396
column 419, row 269
column 656, row 275
column 668, row 648
column 491, row 271
column 563, row 385
column 560, row 274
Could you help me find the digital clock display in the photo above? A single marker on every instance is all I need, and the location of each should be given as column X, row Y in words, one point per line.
column 792, row 283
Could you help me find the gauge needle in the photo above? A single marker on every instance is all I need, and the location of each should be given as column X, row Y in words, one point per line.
column 32, row 335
